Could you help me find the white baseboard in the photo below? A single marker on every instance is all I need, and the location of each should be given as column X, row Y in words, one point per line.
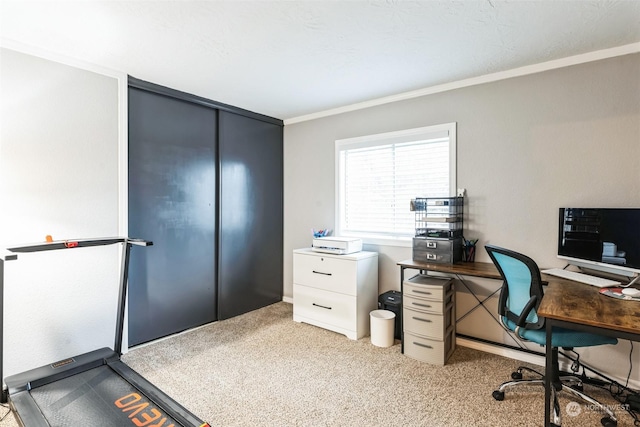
column 501, row 351
column 287, row 299
column 523, row 356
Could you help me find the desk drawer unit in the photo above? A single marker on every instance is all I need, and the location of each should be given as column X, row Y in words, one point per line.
column 335, row 292
column 444, row 251
column 428, row 313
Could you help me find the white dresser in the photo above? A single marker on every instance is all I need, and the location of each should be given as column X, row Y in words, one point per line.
column 429, row 318
column 335, row 292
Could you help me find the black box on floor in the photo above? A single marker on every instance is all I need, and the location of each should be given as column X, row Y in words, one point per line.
column 392, row 301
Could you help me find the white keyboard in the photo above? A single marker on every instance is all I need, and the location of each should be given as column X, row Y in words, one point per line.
column 581, row 277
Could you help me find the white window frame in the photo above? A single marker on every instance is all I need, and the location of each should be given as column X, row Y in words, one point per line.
column 408, row 135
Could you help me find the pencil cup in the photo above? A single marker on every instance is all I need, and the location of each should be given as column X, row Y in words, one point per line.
column 469, row 253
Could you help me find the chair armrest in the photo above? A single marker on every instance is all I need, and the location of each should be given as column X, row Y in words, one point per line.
column 526, row 310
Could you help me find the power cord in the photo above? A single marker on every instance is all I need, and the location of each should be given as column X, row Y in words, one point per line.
column 629, row 398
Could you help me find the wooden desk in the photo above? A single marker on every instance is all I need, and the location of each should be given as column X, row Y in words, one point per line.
column 473, row 269
column 574, row 305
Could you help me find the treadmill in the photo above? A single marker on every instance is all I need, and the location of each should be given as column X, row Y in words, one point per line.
column 93, row 389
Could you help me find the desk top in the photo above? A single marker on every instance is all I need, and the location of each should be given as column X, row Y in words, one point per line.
column 476, row 269
column 576, row 302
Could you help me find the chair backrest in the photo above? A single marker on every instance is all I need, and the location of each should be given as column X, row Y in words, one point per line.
column 521, row 281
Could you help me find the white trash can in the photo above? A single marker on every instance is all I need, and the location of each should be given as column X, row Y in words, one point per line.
column 382, row 327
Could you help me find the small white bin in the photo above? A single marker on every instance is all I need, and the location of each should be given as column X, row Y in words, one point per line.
column 382, row 327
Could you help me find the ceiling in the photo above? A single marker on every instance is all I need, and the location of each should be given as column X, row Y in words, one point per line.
column 288, row 59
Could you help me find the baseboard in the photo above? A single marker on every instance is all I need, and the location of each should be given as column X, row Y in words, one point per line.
column 287, row 300
column 501, row 351
column 532, row 358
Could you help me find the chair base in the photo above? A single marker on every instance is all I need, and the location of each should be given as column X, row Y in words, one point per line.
column 569, row 383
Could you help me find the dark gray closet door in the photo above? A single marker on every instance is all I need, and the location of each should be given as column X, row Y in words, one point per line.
column 172, row 202
column 251, row 182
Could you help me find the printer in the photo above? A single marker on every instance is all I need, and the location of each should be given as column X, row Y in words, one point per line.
column 337, row 245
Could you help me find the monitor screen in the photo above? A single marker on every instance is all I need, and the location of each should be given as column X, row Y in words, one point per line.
column 606, row 239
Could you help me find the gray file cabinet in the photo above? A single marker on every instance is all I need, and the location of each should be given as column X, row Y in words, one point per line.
column 429, row 319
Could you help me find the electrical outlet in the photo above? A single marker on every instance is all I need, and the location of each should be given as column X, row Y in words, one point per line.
column 462, row 192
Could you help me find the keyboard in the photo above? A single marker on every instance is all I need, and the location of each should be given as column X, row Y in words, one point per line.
column 581, row 277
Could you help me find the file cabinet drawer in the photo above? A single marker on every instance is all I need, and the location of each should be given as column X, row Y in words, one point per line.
column 324, row 306
column 428, row 306
column 429, row 325
column 430, row 351
column 430, row 256
column 427, row 287
column 432, row 245
column 326, row 273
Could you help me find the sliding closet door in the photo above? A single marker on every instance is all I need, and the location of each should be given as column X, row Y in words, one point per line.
column 251, row 182
column 172, row 202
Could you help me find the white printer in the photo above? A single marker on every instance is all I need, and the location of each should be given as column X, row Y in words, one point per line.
column 337, row 245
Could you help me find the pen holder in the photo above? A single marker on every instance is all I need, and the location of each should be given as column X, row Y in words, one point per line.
column 469, row 252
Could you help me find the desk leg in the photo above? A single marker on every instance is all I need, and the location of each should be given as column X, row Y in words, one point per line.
column 401, row 320
column 548, row 375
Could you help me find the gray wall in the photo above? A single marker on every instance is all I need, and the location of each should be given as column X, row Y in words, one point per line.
column 526, row 146
column 59, row 175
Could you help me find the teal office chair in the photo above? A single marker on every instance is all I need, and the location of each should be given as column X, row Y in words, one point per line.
column 520, row 298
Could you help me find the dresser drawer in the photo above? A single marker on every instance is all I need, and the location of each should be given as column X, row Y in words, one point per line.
column 429, row 325
column 427, row 287
column 425, row 306
column 430, row 351
column 324, row 306
column 432, row 245
column 437, row 257
column 325, row 273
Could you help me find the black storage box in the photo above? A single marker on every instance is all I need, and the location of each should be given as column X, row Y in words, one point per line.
column 392, row 301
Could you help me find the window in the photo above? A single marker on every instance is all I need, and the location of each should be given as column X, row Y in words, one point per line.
column 378, row 175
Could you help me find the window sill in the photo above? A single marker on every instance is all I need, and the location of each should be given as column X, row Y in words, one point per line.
column 405, row 242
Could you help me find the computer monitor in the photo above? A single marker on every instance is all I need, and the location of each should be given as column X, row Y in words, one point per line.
column 601, row 239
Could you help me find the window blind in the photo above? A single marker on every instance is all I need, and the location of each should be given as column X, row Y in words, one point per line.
column 378, row 179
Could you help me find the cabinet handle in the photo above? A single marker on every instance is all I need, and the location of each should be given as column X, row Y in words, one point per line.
column 421, row 305
column 431, row 256
column 420, row 292
column 320, row 272
column 322, row 306
column 431, row 245
column 422, row 345
column 422, row 320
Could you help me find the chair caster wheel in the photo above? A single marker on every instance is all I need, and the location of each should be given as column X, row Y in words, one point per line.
column 580, row 388
column 608, row 422
column 498, row 395
column 516, row 375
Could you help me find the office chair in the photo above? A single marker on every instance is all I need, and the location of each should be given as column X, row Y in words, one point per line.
column 520, row 298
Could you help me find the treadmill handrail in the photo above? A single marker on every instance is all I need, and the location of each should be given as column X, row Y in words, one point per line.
column 77, row 243
column 72, row 244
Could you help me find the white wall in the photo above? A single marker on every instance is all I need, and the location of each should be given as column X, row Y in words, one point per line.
column 526, row 146
column 59, row 175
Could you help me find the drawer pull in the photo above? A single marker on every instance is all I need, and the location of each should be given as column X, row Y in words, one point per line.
column 422, row 320
column 422, row 292
column 320, row 272
column 431, row 256
column 421, row 305
column 422, row 345
column 321, row 306
column 431, row 245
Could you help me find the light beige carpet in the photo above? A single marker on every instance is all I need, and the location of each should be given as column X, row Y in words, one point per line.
column 264, row 369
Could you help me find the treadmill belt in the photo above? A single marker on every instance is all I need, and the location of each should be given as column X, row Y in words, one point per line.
column 98, row 397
